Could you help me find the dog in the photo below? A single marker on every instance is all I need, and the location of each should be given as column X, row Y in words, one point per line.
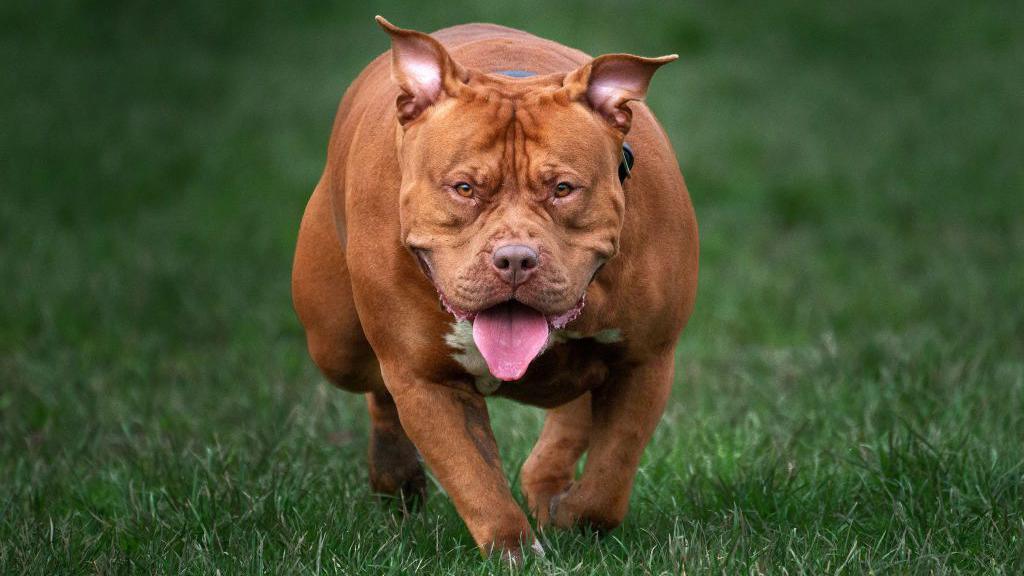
column 500, row 215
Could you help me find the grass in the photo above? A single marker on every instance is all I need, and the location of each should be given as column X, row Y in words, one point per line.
column 850, row 397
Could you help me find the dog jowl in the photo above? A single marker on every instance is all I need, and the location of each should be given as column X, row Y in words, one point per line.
column 500, row 215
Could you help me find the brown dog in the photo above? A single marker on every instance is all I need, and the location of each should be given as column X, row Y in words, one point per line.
column 486, row 167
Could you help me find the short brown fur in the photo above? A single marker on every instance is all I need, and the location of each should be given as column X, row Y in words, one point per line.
column 372, row 317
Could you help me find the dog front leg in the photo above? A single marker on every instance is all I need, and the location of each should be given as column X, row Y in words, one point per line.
column 625, row 412
column 452, row 430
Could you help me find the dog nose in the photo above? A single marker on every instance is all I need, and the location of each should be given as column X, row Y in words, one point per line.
column 514, row 262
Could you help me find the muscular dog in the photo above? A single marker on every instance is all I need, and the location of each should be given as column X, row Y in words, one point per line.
column 500, row 215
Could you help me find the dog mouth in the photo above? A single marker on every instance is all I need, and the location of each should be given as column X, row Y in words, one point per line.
column 554, row 321
column 510, row 334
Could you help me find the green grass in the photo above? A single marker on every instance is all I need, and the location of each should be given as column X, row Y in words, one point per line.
column 850, row 397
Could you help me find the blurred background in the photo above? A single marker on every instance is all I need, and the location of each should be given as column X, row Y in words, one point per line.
column 859, row 334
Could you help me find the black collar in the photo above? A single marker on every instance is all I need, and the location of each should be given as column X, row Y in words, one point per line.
column 628, row 159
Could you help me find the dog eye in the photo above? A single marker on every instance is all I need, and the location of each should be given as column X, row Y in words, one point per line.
column 563, row 189
column 464, row 189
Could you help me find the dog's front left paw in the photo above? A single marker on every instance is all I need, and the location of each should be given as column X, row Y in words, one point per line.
column 582, row 507
column 540, row 499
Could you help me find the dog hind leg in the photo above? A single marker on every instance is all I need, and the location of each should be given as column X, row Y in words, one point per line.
column 395, row 467
column 322, row 296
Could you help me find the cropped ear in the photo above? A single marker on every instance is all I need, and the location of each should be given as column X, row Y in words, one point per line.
column 422, row 68
column 608, row 82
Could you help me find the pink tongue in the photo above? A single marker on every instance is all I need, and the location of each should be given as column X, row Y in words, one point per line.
column 510, row 336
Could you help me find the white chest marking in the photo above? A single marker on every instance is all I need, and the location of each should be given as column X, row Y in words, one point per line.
column 465, row 352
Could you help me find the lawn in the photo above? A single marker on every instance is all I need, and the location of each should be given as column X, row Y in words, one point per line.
column 850, row 392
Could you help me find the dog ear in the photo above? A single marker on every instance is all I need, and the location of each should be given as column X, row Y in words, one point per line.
column 422, row 68
column 607, row 83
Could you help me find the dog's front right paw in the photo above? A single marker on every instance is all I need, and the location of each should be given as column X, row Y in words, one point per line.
column 507, row 540
column 516, row 556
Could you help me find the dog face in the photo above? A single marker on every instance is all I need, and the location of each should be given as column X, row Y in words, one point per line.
column 503, row 201
column 510, row 195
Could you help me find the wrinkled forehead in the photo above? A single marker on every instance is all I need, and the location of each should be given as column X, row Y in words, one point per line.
column 458, row 132
column 541, row 128
column 563, row 132
column 457, row 124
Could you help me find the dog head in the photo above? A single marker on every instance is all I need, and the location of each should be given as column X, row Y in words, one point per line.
column 510, row 196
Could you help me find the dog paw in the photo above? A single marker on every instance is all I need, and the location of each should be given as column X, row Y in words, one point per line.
column 553, row 504
column 413, row 492
column 541, row 497
column 576, row 508
column 514, row 557
column 407, row 490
